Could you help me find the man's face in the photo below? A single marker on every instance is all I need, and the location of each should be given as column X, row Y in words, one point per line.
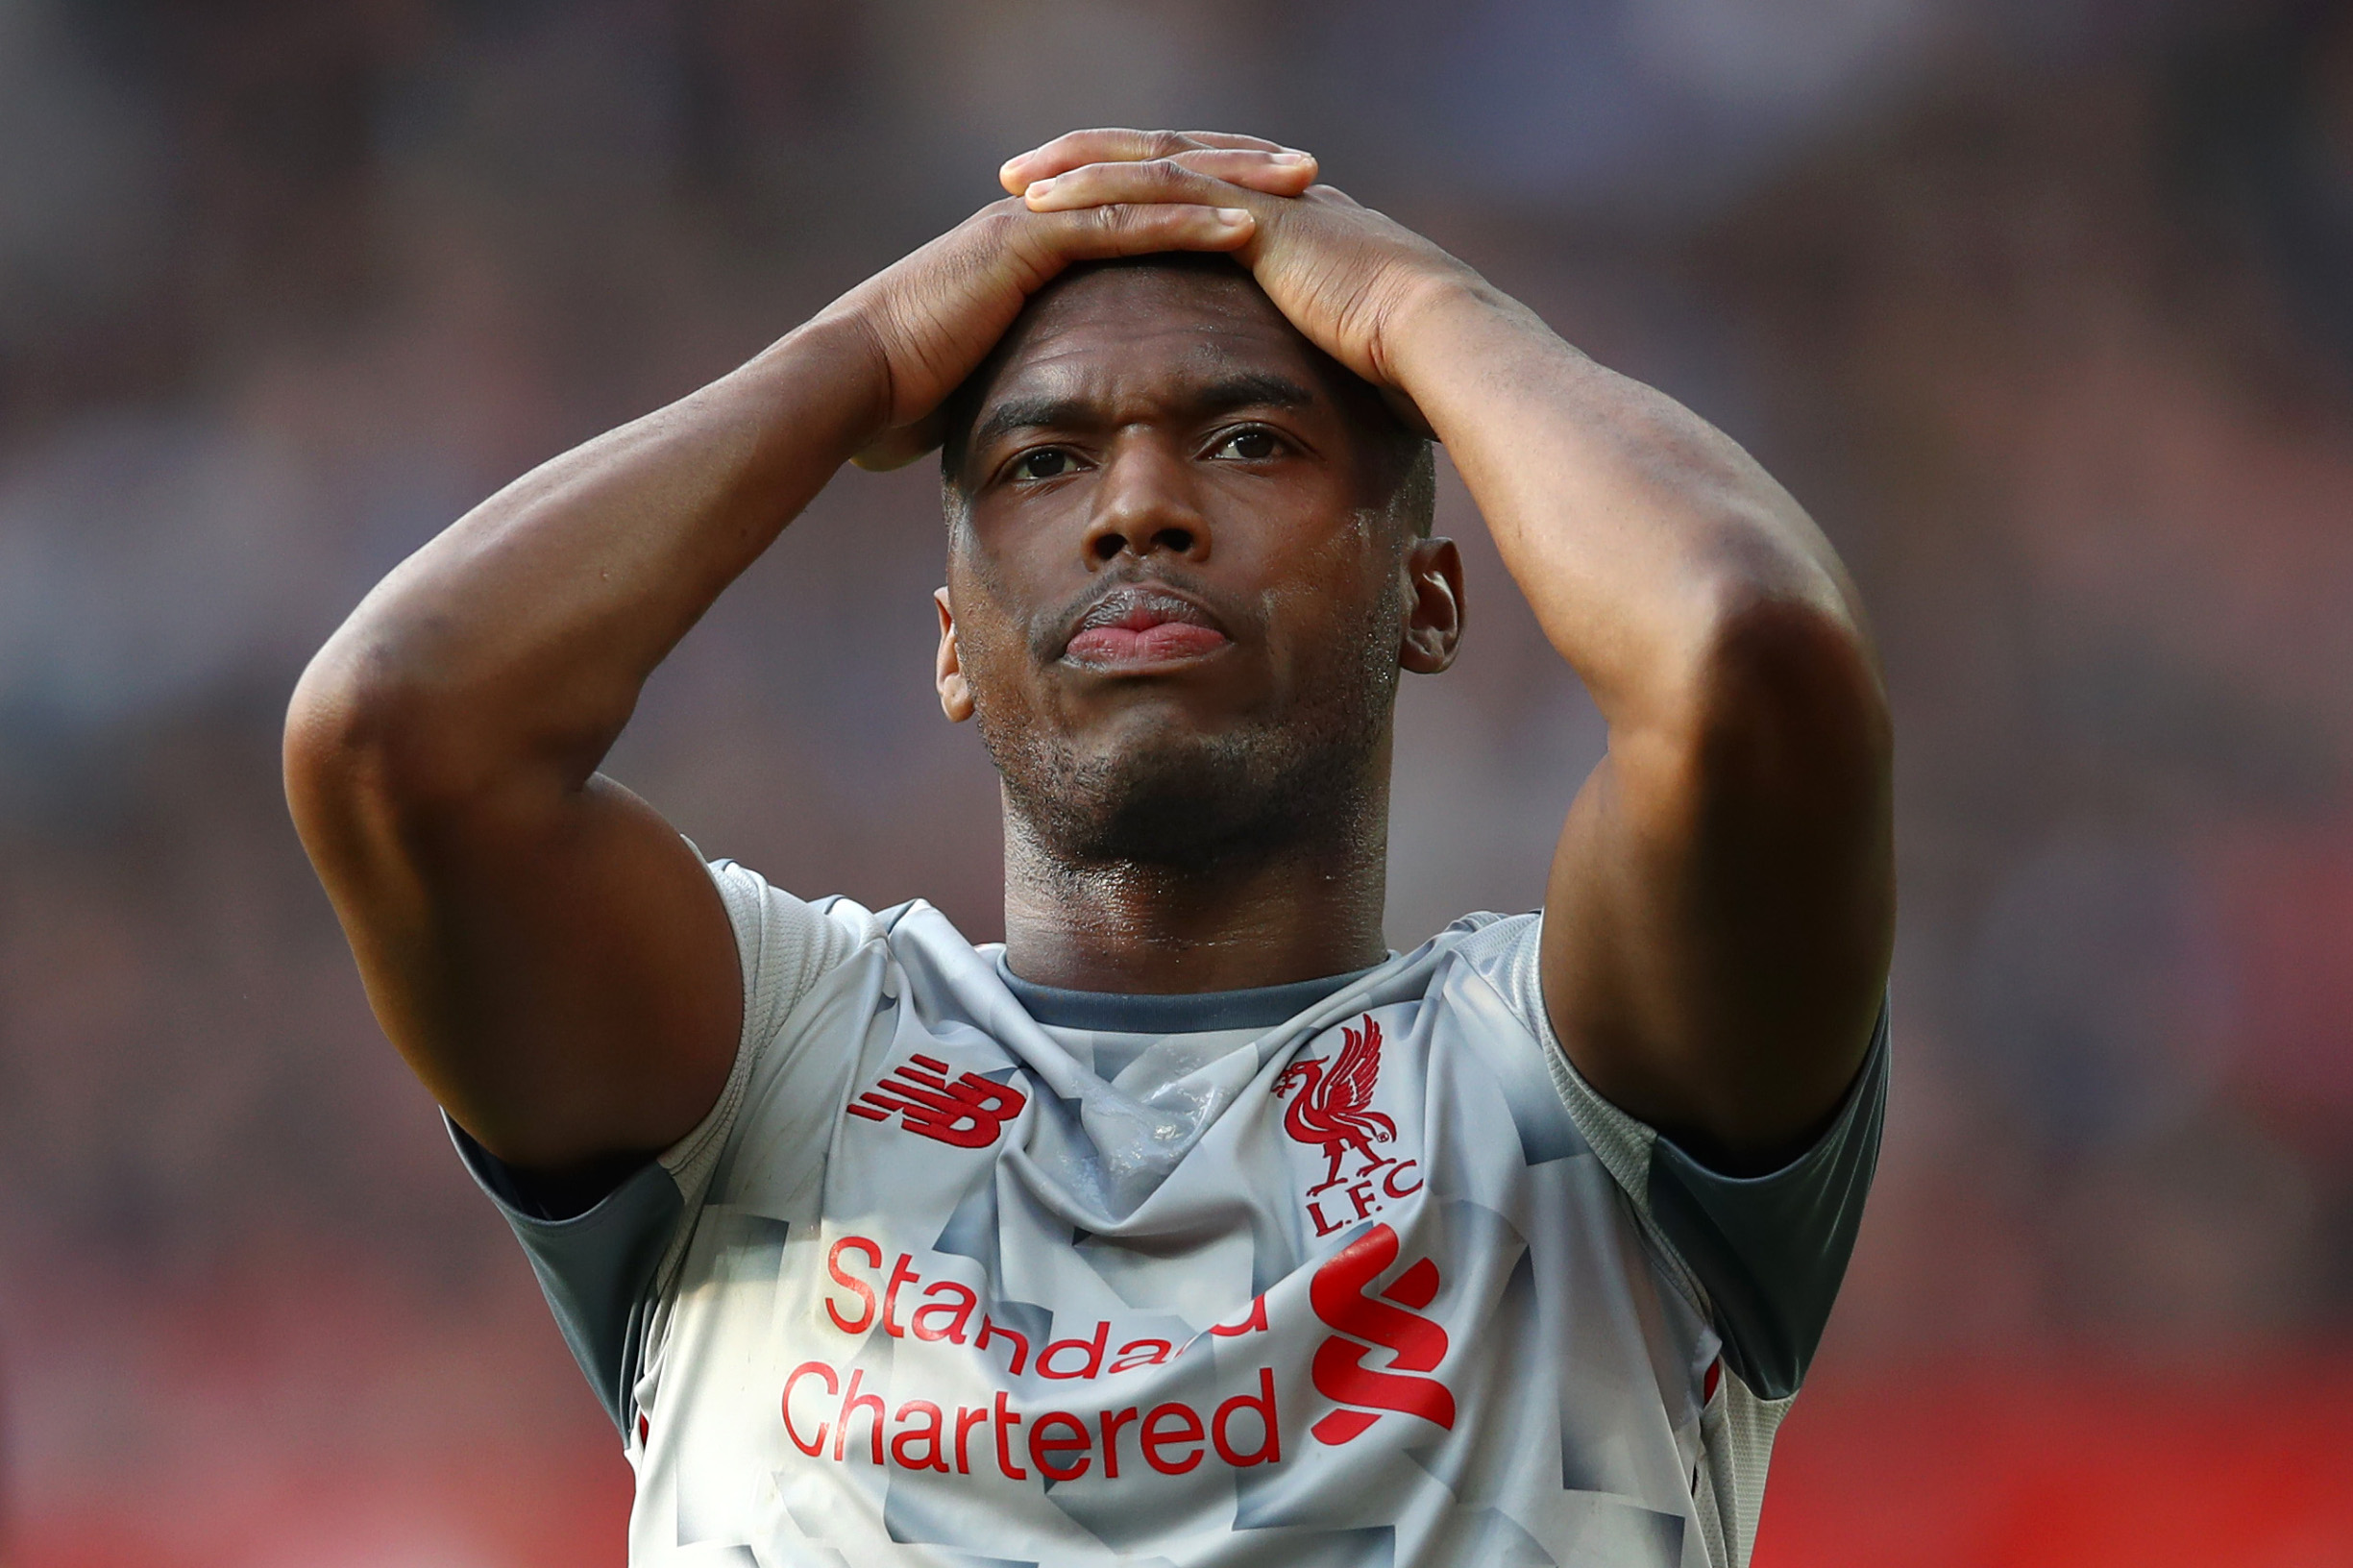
column 1175, row 600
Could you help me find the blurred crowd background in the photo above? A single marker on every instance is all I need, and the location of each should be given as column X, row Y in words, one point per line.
column 2045, row 308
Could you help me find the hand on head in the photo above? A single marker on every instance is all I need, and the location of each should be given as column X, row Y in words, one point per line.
column 1347, row 277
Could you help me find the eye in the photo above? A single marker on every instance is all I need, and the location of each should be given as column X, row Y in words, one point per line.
column 1045, row 463
column 1251, row 444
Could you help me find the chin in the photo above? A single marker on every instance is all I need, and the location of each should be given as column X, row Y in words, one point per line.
column 1167, row 797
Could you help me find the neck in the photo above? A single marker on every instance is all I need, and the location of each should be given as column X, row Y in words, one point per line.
column 1304, row 909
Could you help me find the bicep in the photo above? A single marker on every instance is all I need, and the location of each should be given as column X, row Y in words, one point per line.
column 1721, row 906
column 557, row 967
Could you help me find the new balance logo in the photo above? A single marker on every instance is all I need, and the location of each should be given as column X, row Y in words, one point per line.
column 968, row 1113
column 1390, row 1321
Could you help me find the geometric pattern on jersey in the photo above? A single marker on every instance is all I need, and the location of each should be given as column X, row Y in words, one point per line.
column 944, row 1284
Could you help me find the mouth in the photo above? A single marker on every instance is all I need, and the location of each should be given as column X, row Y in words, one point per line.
column 1139, row 627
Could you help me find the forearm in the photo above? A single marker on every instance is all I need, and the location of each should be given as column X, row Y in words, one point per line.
column 1719, row 911
column 538, row 943
column 520, row 637
column 1637, row 531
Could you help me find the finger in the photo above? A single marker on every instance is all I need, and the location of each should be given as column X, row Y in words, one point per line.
column 1102, row 144
column 1160, row 180
column 1281, row 173
column 1101, row 231
column 1116, row 144
column 1271, row 174
column 1227, row 138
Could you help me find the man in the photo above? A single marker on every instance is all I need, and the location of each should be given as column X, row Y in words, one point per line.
column 1191, row 1226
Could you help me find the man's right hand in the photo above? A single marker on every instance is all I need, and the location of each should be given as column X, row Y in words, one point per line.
column 934, row 317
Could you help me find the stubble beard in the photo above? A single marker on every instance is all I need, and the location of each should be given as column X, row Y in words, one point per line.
column 1307, row 781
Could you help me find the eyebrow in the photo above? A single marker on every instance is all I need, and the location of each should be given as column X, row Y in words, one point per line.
column 1243, row 389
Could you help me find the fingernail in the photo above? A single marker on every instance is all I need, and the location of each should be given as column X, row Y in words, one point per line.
column 1232, row 217
column 1039, row 188
column 1294, row 158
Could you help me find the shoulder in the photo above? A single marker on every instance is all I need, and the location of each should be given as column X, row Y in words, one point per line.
column 1485, row 962
column 789, row 946
column 1761, row 1255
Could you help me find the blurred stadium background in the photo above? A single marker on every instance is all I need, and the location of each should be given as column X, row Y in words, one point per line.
column 2044, row 306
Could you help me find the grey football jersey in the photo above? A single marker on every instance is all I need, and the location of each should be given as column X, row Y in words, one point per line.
column 964, row 1270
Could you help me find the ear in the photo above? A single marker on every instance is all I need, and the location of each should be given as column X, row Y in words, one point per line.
column 955, row 692
column 1434, row 611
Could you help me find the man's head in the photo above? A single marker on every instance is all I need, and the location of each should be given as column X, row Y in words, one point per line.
column 1189, row 554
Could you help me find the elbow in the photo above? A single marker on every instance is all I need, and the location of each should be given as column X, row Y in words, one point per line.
column 365, row 743
column 1785, row 705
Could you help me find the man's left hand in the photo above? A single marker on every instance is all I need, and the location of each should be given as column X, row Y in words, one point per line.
column 1352, row 280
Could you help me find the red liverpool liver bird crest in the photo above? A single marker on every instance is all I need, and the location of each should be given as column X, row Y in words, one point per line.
column 1330, row 1106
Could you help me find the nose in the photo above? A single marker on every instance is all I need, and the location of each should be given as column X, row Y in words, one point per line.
column 1144, row 502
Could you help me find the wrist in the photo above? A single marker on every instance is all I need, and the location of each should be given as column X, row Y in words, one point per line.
column 1435, row 315
column 842, row 348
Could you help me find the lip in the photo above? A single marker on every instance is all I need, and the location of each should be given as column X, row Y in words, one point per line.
column 1143, row 627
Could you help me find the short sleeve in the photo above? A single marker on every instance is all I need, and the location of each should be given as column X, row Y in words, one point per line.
column 1767, row 1252
column 1773, row 1249
column 602, row 1263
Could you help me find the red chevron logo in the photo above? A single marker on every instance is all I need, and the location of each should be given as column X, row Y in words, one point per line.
column 1389, row 1321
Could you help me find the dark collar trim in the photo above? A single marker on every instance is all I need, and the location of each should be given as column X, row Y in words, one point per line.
column 1262, row 1007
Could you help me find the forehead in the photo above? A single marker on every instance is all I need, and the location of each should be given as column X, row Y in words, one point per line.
column 1117, row 332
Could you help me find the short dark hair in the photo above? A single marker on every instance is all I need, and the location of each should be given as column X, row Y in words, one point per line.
column 1409, row 468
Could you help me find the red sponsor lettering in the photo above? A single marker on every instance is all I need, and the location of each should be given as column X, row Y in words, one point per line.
column 928, row 1431
column 1046, row 1451
column 900, row 1274
column 1112, row 1421
column 1243, row 1430
column 945, row 1310
column 1021, row 1342
column 1262, row 1406
column 966, row 1418
column 957, row 1313
column 853, row 1402
column 1170, row 1426
column 1253, row 1322
column 1089, row 1349
column 1138, row 1353
column 857, row 1288
column 807, row 1369
column 1006, row 1421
